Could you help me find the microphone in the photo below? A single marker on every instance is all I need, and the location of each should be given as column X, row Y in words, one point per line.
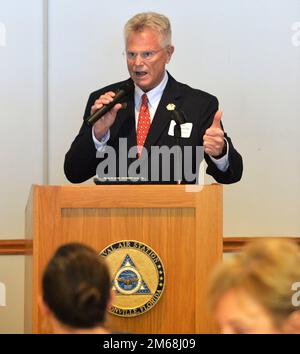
column 121, row 93
column 179, row 116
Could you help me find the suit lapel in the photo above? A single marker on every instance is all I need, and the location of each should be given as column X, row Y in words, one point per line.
column 124, row 126
column 161, row 118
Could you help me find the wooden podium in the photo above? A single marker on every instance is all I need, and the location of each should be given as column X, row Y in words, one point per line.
column 181, row 223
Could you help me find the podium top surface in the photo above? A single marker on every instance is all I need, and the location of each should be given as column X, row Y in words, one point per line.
column 122, row 196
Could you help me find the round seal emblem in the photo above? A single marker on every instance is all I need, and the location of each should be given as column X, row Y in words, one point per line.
column 138, row 277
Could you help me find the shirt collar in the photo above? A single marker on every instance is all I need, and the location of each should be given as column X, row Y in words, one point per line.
column 153, row 95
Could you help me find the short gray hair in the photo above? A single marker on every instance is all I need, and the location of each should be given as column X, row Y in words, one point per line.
column 152, row 20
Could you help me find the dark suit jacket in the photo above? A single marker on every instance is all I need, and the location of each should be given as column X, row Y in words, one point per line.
column 199, row 107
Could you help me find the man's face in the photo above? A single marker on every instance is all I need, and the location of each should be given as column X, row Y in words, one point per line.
column 146, row 58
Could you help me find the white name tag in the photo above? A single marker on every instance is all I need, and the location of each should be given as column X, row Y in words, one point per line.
column 186, row 129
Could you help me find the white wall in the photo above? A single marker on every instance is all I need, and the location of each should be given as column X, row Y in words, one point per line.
column 21, row 110
column 12, row 314
column 21, row 138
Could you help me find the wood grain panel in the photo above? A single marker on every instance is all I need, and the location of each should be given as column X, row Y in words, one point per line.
column 182, row 227
column 149, row 226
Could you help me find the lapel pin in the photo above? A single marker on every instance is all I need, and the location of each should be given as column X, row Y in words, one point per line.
column 171, row 107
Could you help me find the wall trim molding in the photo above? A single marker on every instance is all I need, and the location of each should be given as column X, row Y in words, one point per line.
column 15, row 247
column 230, row 244
column 233, row 244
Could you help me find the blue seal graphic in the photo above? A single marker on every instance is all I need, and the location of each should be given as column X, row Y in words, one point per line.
column 128, row 280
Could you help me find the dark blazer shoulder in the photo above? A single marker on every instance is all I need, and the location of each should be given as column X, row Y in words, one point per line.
column 184, row 88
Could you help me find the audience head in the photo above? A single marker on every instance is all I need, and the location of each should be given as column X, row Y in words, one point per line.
column 76, row 289
column 253, row 291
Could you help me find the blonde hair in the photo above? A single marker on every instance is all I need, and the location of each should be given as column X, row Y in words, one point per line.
column 152, row 20
column 266, row 270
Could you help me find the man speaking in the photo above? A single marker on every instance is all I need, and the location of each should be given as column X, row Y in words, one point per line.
column 134, row 121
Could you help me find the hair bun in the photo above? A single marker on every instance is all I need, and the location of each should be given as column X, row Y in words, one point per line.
column 87, row 296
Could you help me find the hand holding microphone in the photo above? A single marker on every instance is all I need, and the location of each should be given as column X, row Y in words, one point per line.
column 102, row 125
column 104, row 110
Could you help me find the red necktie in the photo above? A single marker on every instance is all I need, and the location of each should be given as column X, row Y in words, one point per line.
column 143, row 124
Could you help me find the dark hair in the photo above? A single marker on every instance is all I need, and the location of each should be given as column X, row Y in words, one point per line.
column 76, row 286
